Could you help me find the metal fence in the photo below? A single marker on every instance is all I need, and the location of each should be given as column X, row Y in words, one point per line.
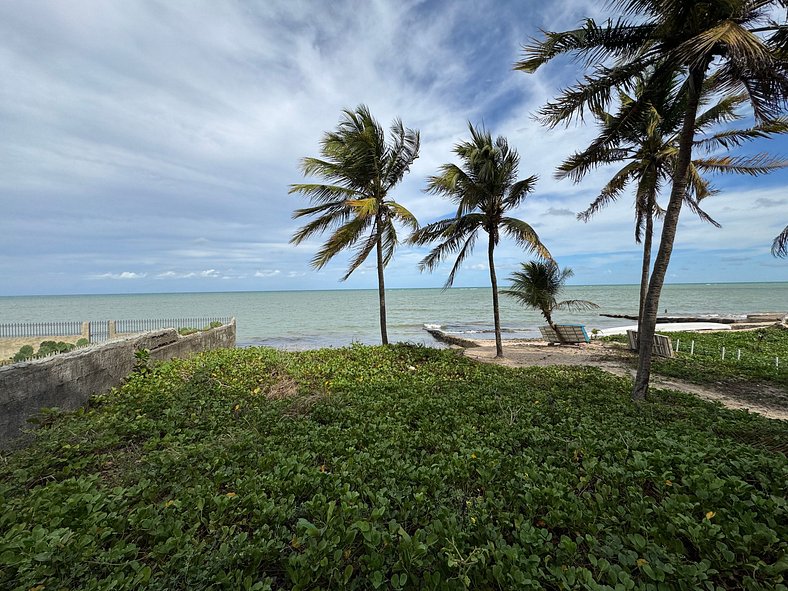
column 40, row 329
column 102, row 330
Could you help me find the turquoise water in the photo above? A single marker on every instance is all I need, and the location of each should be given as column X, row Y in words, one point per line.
column 311, row 319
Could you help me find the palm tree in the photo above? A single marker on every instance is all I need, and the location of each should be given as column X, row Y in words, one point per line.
column 360, row 169
column 649, row 145
column 537, row 286
column 484, row 188
column 780, row 244
column 735, row 41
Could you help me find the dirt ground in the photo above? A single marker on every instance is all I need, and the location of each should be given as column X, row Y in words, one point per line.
column 617, row 360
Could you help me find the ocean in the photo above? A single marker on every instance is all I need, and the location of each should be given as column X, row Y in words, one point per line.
column 312, row 319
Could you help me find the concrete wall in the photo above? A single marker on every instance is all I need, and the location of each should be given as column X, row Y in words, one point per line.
column 67, row 380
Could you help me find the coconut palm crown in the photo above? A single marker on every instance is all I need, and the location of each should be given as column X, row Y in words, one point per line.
column 648, row 145
column 736, row 42
column 485, row 188
column 538, row 284
column 353, row 205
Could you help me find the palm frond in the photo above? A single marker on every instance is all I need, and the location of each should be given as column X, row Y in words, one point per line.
column 575, row 305
column 360, row 254
column 592, row 94
column 366, row 207
column 753, row 165
column 402, row 215
column 320, row 193
column 525, row 236
column 725, row 111
column 519, row 191
column 333, row 218
column 345, row 236
column 581, row 163
column 696, row 209
column 733, row 138
column 610, row 192
column 592, row 42
column 780, row 244
column 464, row 252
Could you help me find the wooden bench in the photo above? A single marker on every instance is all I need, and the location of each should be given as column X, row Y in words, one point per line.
column 662, row 344
column 570, row 334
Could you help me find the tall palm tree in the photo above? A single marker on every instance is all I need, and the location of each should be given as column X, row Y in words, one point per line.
column 648, row 144
column 485, row 188
column 735, row 41
column 780, row 244
column 538, row 285
column 360, row 169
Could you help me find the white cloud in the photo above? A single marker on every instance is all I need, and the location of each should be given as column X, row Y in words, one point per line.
column 123, row 275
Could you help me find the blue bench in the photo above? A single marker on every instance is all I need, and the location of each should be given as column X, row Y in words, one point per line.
column 570, row 334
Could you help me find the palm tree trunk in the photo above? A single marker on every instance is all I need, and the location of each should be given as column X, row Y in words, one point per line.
column 646, row 268
column 496, row 310
column 669, row 226
column 551, row 324
column 384, row 337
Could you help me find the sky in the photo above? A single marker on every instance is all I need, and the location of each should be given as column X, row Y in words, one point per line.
column 148, row 146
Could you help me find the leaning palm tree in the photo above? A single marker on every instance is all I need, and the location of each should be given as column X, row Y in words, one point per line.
column 538, row 285
column 360, row 169
column 735, row 41
column 780, row 244
column 485, row 188
column 648, row 144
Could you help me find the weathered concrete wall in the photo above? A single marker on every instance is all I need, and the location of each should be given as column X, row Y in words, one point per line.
column 67, row 380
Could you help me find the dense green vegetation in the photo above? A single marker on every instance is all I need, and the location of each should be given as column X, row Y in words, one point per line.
column 47, row 348
column 749, row 355
column 397, row 467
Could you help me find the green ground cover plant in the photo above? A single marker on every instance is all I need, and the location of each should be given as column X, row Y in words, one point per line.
column 749, row 355
column 395, row 467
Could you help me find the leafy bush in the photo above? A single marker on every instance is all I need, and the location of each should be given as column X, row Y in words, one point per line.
column 393, row 468
column 83, row 342
column 25, row 352
column 51, row 347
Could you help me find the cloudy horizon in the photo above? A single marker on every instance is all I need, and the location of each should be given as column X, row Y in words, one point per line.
column 149, row 146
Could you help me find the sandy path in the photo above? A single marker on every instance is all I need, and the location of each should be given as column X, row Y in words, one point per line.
column 611, row 359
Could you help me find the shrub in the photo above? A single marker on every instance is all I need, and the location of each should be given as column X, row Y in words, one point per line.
column 25, row 352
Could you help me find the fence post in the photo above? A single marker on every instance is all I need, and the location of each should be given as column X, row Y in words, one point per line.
column 692, row 348
column 111, row 329
column 738, row 354
column 723, row 353
column 85, row 332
